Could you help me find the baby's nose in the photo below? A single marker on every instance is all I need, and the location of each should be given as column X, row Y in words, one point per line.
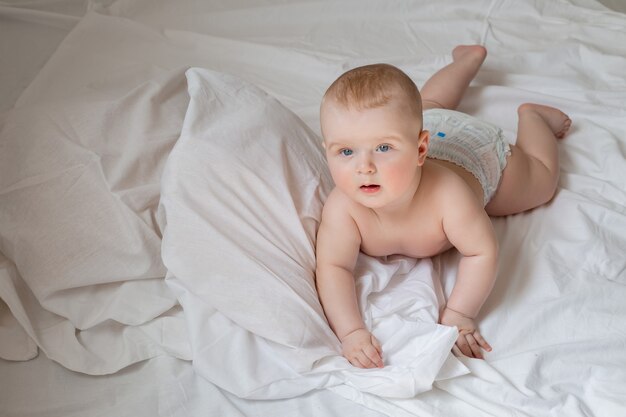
column 366, row 165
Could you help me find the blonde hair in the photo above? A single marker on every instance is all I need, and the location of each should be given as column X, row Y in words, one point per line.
column 372, row 86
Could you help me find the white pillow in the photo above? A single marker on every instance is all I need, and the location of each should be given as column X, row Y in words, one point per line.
column 243, row 191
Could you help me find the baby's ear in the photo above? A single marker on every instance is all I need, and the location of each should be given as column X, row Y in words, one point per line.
column 422, row 146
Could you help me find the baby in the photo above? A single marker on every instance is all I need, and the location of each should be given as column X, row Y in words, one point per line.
column 418, row 184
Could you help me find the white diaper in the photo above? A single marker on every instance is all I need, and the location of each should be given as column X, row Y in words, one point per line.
column 473, row 144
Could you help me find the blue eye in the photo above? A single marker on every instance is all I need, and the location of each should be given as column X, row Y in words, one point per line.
column 346, row 152
column 383, row 148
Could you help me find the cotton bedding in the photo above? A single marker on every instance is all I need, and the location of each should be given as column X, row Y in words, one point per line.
column 161, row 182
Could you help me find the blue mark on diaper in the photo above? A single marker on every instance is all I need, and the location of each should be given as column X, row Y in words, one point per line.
column 441, row 134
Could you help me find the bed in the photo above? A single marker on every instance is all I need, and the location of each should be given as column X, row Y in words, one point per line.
column 161, row 182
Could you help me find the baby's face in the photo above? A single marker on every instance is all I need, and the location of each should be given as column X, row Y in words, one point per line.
column 374, row 155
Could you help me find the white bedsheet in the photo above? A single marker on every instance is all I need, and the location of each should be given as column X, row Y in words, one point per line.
column 83, row 151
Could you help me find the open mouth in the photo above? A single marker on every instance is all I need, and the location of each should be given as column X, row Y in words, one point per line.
column 371, row 188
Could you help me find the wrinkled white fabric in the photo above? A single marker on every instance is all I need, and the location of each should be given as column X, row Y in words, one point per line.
column 79, row 188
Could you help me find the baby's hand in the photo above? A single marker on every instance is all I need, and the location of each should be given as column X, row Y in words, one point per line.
column 362, row 349
column 469, row 341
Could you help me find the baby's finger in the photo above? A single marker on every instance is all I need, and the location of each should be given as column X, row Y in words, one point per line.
column 456, row 351
column 374, row 356
column 461, row 342
column 355, row 361
column 365, row 360
column 482, row 342
column 377, row 345
column 473, row 345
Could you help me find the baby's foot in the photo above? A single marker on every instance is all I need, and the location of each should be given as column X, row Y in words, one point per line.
column 558, row 121
column 476, row 53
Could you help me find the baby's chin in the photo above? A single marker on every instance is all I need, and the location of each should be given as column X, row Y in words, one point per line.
column 371, row 203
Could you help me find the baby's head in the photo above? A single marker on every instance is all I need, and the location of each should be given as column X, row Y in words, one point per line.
column 370, row 87
column 371, row 119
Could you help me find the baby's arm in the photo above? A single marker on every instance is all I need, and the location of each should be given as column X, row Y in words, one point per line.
column 338, row 244
column 469, row 229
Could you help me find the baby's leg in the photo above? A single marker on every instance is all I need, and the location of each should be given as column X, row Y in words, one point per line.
column 446, row 87
column 532, row 171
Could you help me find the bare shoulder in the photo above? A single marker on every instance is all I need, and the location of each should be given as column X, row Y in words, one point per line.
column 463, row 217
column 448, row 191
column 336, row 199
column 337, row 215
column 337, row 206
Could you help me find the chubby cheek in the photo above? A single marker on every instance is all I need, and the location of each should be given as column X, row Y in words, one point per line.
column 398, row 176
column 342, row 176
